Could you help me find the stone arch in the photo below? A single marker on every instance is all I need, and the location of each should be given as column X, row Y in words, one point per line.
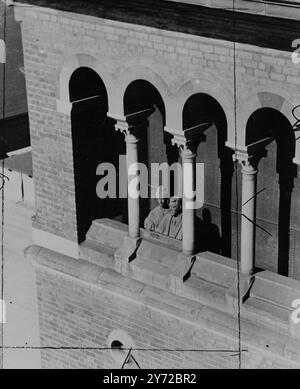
column 263, row 98
column 214, row 221
column 268, row 128
column 130, row 75
column 95, row 144
column 154, row 146
column 218, row 91
column 70, row 65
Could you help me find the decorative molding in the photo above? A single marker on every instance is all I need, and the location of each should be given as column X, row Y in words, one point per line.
column 236, row 147
column 296, row 161
column 55, row 243
column 210, row 22
column 63, row 106
column 189, row 139
column 132, row 124
column 249, row 161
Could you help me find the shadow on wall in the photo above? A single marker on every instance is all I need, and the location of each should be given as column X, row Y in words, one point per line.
column 207, row 234
column 94, row 141
column 217, row 158
column 275, row 202
column 155, row 144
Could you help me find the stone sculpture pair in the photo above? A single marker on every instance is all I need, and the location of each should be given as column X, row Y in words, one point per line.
column 166, row 218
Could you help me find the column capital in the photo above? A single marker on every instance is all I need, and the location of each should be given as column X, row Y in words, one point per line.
column 63, row 106
column 249, row 162
column 188, row 148
column 189, row 139
column 133, row 124
column 132, row 132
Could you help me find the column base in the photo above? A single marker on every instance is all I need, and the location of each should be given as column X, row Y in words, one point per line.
column 188, row 253
column 181, row 271
column 126, row 254
column 240, row 288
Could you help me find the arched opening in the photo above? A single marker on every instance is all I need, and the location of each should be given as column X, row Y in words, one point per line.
column 94, row 141
column 214, row 226
column 155, row 144
column 276, row 211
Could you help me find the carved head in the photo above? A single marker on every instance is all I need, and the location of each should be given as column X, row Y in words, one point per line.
column 175, row 205
column 162, row 197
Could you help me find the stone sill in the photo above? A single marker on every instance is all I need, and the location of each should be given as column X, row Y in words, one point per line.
column 155, row 277
column 264, row 338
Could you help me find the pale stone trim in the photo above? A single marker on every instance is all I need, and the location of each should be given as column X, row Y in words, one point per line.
column 205, row 84
column 297, row 160
column 72, row 63
column 250, row 103
column 19, row 151
column 125, row 339
column 145, row 73
column 55, row 243
column 63, row 106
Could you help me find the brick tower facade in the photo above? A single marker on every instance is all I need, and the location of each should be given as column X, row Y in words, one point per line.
column 103, row 281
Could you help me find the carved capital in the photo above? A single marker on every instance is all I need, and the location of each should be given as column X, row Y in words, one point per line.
column 188, row 149
column 248, row 162
column 188, row 140
column 133, row 125
column 132, row 133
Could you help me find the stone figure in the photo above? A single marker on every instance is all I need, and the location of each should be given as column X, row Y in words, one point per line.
column 171, row 223
column 156, row 215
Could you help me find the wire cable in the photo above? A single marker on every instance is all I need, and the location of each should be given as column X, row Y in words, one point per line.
column 3, row 177
column 236, row 186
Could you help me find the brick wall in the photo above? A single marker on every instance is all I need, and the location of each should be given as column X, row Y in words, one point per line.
column 80, row 314
column 173, row 62
column 51, row 37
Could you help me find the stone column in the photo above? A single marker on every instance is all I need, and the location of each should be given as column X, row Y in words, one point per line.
column 188, row 140
column 132, row 126
column 188, row 156
column 249, row 176
column 133, row 198
column 132, row 140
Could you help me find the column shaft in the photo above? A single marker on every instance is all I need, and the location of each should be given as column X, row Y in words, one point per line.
column 133, row 195
column 188, row 205
column 249, row 175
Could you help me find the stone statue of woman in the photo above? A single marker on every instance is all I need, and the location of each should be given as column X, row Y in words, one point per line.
column 155, row 216
column 171, row 223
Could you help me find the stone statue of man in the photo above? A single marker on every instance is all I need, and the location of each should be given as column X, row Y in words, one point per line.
column 171, row 223
column 155, row 216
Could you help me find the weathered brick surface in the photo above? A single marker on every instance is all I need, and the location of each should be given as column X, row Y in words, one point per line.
column 51, row 37
column 76, row 314
column 70, row 311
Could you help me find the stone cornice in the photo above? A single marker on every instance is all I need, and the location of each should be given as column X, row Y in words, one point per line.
column 200, row 301
column 216, row 23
